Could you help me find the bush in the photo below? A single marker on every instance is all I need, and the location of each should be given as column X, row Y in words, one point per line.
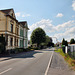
column 63, row 48
column 25, row 50
column 1, row 48
column 73, row 62
column 36, row 48
column 18, row 50
column 32, row 49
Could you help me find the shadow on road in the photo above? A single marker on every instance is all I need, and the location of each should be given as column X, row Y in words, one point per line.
column 47, row 50
column 21, row 55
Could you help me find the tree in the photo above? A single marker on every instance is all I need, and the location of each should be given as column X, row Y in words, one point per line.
column 51, row 39
column 38, row 36
column 72, row 41
column 64, row 42
column 50, row 43
column 47, row 40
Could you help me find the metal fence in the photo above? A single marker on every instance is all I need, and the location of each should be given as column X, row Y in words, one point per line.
column 71, row 51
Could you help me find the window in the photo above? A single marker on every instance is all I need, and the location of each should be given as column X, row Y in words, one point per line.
column 21, row 32
column 12, row 14
column 11, row 42
column 17, row 42
column 12, row 28
column 17, row 30
column 26, row 34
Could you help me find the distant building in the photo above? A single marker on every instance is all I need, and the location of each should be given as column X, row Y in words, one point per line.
column 15, row 33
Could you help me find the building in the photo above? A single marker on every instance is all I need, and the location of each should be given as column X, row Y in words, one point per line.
column 23, row 34
column 15, row 33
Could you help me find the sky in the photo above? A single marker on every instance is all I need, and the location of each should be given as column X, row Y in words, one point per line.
column 56, row 17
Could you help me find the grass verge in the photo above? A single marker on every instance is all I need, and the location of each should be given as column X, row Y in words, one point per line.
column 68, row 59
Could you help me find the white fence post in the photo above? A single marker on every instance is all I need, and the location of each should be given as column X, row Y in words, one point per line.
column 66, row 48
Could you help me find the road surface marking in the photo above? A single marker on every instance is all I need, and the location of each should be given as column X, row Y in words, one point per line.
column 5, row 71
column 49, row 64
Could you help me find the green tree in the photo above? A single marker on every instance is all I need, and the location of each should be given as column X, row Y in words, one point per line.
column 64, row 42
column 38, row 36
column 50, row 43
column 47, row 40
column 72, row 41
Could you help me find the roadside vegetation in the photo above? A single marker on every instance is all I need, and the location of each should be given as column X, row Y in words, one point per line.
column 68, row 59
column 40, row 38
column 19, row 50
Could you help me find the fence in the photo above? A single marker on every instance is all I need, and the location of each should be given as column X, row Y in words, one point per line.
column 71, row 51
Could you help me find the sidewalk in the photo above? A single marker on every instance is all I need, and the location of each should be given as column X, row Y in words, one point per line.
column 7, row 57
column 59, row 66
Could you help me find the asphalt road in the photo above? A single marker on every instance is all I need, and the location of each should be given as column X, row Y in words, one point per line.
column 30, row 63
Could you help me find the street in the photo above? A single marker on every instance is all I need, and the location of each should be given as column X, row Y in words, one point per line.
column 38, row 62
column 30, row 63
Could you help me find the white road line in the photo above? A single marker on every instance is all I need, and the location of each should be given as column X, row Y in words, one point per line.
column 49, row 64
column 5, row 71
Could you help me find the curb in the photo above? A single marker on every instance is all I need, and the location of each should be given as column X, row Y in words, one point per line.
column 6, row 59
column 49, row 64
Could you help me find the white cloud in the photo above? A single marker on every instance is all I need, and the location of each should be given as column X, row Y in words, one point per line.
column 18, row 14
column 26, row 15
column 59, row 15
column 65, row 25
column 73, row 16
column 68, row 34
column 45, row 24
column 65, row 30
column 73, row 5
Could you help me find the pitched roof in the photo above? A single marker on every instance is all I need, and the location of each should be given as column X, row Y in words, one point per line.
column 6, row 11
column 12, row 17
column 24, row 23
